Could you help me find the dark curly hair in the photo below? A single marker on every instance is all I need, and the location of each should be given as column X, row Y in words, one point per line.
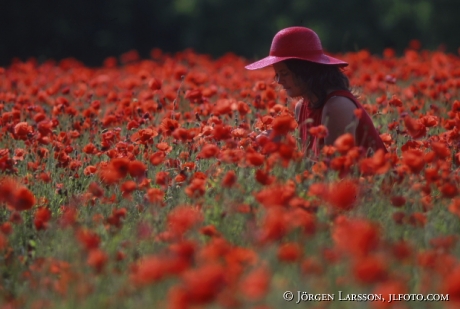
column 319, row 78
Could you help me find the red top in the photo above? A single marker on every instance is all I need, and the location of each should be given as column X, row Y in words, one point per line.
column 366, row 133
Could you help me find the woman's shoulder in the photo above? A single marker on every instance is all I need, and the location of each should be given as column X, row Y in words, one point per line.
column 339, row 104
column 341, row 97
column 351, row 95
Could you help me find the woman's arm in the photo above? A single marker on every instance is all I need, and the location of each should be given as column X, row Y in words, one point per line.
column 339, row 118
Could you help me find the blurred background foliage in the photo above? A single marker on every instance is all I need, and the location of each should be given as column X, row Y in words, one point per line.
column 91, row 30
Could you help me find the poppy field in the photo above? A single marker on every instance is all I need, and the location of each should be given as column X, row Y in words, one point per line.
column 142, row 184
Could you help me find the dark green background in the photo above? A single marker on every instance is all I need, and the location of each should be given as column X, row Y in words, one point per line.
column 91, row 30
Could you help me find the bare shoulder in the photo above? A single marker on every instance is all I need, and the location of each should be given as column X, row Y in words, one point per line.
column 339, row 105
column 339, row 118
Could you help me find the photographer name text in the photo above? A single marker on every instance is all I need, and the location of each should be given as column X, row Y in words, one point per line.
column 301, row 296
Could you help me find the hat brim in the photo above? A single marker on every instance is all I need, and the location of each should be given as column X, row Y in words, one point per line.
column 270, row 60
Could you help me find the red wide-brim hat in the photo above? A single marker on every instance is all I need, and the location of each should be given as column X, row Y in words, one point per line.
column 296, row 43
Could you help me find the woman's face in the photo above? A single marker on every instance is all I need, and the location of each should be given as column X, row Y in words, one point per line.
column 293, row 85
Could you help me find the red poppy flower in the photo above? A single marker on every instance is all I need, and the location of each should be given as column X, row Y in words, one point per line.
column 255, row 158
column 109, row 176
column 196, row 188
column 154, row 84
column 275, row 196
column 68, row 217
column 429, row 121
column 133, row 124
column 145, row 136
column 129, row 56
column 202, row 285
column 222, row 132
column 89, row 170
column 88, row 239
column 370, row 269
column 168, row 126
column 264, row 178
column 22, row 130
column 19, row 154
column 243, row 108
column 444, row 243
column 95, row 189
column 355, row 236
column 454, row 206
column 413, row 158
column 223, row 107
column 377, row 164
column 343, row 194
column 275, row 226
column 8, row 187
column 451, row 285
column 414, row 127
column 42, row 216
column 115, row 218
column 149, row 269
column 256, row 284
column 155, row 196
column 344, row 143
column 3, row 242
column 90, row 149
column 120, row 166
column 163, row 147
column 398, row 201
column 302, row 218
column 418, row 219
column 182, row 218
column 43, row 152
column 229, row 179
column 162, row 178
column 182, row 134
column 289, row 252
column 75, row 165
column 318, row 190
column 195, row 96
column 388, row 287
column 441, row 150
column 399, row 217
column 395, row 101
column 311, row 266
column 210, row 230
column 402, row 250
column 239, row 133
column 318, row 131
column 208, row 151
column 287, row 151
column 157, row 158
column 283, row 124
column 137, row 169
column 449, row 190
column 128, row 187
column 23, row 199
column 6, row 228
column 97, row 259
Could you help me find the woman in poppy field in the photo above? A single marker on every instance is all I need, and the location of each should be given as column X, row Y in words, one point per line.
column 327, row 104
column 145, row 174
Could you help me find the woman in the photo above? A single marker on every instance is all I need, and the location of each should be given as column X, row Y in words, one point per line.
column 304, row 71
